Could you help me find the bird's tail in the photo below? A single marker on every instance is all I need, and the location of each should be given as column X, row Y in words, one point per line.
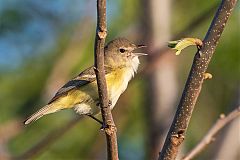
column 43, row 111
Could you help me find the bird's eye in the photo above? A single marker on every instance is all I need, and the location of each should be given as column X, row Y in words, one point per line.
column 122, row 50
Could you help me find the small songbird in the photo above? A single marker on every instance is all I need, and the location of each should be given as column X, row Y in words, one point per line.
column 81, row 93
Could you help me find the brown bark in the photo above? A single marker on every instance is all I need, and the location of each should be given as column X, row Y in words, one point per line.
column 101, row 33
column 194, row 83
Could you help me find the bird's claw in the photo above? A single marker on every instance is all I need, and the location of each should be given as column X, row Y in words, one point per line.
column 109, row 128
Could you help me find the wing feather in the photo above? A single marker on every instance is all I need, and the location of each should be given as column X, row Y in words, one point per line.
column 85, row 77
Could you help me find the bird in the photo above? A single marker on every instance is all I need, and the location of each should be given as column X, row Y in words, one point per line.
column 121, row 62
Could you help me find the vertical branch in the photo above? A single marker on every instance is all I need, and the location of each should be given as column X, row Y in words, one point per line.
column 194, row 83
column 101, row 33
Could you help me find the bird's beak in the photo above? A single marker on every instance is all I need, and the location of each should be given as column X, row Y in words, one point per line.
column 140, row 54
column 141, row 46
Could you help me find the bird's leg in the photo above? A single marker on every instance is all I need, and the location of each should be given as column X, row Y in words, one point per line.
column 99, row 121
column 108, row 126
column 94, row 118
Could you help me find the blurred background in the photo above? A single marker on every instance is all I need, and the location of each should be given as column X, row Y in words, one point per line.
column 45, row 43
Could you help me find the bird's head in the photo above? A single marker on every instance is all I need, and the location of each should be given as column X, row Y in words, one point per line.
column 121, row 52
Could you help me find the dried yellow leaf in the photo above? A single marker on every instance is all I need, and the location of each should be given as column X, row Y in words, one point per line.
column 207, row 76
column 179, row 45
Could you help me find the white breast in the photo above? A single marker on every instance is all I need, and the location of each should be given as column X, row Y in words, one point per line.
column 128, row 75
column 114, row 93
column 83, row 108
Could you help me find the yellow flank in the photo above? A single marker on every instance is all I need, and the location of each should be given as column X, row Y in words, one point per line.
column 88, row 94
column 115, row 80
column 84, row 94
column 117, row 83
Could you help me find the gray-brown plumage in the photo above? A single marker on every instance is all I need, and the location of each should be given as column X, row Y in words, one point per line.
column 81, row 93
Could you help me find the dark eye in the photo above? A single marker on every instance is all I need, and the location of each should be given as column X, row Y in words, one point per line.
column 122, row 50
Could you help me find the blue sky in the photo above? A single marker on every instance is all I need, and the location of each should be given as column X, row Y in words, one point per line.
column 35, row 28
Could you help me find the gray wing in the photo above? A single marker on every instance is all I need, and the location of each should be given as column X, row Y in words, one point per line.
column 85, row 77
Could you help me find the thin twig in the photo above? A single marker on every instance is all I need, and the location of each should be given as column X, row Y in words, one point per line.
column 101, row 33
column 194, row 83
column 209, row 137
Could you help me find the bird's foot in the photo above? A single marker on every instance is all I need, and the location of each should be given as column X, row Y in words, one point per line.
column 109, row 127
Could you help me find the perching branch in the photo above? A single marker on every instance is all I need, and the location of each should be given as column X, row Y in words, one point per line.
column 108, row 122
column 209, row 137
column 194, row 82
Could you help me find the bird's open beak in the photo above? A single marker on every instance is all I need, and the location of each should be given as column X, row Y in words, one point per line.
column 140, row 54
column 141, row 46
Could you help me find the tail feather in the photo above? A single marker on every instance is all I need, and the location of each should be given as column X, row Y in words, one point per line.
column 43, row 111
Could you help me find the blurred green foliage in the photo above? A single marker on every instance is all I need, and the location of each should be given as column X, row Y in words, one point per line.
column 22, row 86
